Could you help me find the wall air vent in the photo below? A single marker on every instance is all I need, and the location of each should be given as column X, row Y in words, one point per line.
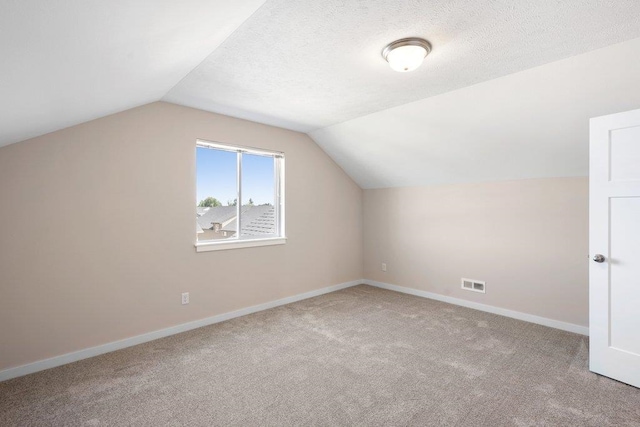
column 474, row 285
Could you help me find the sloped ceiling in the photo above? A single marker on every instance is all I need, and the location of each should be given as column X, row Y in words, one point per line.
column 531, row 124
column 315, row 66
column 308, row 64
column 66, row 62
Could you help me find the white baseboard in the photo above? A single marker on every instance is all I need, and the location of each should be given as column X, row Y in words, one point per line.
column 570, row 327
column 41, row 365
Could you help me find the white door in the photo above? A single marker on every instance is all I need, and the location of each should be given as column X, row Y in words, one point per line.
column 614, row 246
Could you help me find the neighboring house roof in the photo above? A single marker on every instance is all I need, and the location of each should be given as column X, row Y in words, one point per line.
column 219, row 214
column 264, row 223
column 256, row 220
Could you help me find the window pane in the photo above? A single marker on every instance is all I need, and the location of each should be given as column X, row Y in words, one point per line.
column 216, row 194
column 258, row 217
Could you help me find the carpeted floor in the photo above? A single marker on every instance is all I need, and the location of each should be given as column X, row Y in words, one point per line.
column 362, row 356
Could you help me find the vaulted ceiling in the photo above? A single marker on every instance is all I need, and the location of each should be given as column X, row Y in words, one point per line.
column 530, row 124
column 67, row 62
column 470, row 113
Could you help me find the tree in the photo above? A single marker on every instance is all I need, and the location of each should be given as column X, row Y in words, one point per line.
column 234, row 203
column 251, row 202
column 209, row 202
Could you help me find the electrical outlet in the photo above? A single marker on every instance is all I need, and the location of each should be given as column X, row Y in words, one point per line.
column 384, row 266
column 185, row 298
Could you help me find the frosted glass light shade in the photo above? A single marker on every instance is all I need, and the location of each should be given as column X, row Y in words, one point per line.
column 406, row 54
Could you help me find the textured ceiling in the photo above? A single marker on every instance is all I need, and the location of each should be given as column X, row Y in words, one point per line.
column 308, row 64
column 66, row 62
column 530, row 124
column 315, row 66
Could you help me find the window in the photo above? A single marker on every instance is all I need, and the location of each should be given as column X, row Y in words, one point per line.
column 240, row 197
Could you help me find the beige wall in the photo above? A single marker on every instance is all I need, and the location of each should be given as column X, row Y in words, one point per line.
column 527, row 239
column 97, row 230
column 97, row 233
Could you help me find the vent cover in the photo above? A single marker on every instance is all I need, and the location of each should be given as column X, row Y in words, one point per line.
column 473, row 285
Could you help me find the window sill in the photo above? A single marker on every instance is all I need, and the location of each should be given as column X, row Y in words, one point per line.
column 238, row 244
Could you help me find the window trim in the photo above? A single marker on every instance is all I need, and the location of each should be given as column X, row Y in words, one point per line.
column 212, row 245
column 238, row 241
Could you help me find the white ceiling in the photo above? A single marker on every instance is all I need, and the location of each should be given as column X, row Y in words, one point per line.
column 308, row 64
column 67, row 62
column 530, row 124
column 315, row 66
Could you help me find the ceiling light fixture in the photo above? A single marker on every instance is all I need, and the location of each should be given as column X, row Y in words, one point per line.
column 406, row 54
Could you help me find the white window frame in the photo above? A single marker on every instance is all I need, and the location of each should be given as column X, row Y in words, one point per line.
column 238, row 241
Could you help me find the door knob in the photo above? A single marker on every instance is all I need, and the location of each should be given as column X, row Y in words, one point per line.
column 598, row 258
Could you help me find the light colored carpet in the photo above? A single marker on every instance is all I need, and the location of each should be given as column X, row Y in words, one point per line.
column 362, row 356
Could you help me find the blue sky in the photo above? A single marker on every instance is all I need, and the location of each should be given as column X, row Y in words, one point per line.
column 216, row 176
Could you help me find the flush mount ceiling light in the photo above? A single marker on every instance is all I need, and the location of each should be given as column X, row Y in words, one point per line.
column 406, row 54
